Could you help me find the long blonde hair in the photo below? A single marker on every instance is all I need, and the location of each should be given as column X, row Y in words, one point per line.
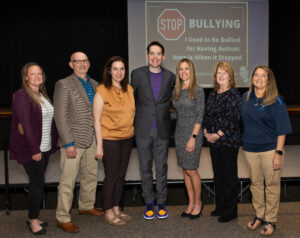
column 271, row 93
column 192, row 84
column 34, row 96
column 227, row 68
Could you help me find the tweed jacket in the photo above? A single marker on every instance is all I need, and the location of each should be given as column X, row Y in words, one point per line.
column 147, row 107
column 73, row 113
column 29, row 115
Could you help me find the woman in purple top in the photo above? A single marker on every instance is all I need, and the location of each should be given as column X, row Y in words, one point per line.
column 33, row 137
column 222, row 131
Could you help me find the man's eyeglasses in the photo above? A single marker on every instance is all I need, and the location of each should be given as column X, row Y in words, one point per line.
column 85, row 61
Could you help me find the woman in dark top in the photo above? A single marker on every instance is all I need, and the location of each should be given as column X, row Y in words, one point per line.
column 222, row 131
column 33, row 137
column 266, row 123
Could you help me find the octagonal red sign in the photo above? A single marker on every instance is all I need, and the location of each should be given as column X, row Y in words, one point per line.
column 171, row 24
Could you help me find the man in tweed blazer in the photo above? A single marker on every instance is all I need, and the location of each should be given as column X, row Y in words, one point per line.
column 73, row 101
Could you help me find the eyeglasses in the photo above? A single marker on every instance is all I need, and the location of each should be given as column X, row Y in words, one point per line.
column 85, row 61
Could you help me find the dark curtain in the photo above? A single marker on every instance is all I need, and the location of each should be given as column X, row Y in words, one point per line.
column 284, row 40
column 47, row 32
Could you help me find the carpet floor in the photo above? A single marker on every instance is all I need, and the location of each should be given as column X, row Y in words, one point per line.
column 175, row 226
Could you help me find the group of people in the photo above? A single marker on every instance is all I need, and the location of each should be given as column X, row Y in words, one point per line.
column 91, row 122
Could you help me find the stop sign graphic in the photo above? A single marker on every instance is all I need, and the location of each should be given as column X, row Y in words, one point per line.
column 171, row 24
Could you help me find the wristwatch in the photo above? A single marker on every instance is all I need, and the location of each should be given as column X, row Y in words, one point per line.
column 280, row 152
column 194, row 136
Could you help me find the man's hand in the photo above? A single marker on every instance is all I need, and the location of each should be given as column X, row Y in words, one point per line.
column 71, row 152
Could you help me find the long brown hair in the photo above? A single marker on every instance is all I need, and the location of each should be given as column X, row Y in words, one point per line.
column 192, row 84
column 271, row 93
column 227, row 68
column 42, row 89
column 107, row 79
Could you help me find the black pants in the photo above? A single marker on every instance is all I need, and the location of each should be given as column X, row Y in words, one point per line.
column 36, row 173
column 224, row 161
column 115, row 161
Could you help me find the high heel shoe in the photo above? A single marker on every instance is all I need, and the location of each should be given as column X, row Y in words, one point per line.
column 39, row 232
column 191, row 216
column 43, row 224
column 184, row 214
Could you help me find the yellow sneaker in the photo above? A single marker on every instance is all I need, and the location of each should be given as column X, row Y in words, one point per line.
column 162, row 211
column 149, row 211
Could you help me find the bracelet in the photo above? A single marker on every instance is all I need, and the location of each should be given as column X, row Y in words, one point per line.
column 219, row 134
column 280, row 152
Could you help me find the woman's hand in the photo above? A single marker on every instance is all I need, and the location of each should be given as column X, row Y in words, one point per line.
column 99, row 153
column 211, row 137
column 214, row 137
column 190, row 146
column 277, row 161
column 37, row 157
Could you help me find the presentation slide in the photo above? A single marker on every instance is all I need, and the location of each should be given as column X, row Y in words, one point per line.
column 206, row 32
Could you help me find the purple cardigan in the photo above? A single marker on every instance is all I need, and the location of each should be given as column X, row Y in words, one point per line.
column 26, row 112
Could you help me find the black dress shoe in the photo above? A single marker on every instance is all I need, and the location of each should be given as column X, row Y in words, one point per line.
column 215, row 213
column 224, row 219
column 184, row 214
column 191, row 216
column 44, row 224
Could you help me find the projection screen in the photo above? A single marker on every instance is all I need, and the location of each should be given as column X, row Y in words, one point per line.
column 206, row 32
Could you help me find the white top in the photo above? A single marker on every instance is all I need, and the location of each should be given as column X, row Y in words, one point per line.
column 47, row 117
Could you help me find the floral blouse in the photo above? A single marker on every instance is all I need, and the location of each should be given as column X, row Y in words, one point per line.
column 222, row 112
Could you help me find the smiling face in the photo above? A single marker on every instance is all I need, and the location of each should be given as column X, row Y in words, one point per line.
column 117, row 71
column 260, row 79
column 80, row 64
column 184, row 71
column 155, row 56
column 34, row 77
column 223, row 78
